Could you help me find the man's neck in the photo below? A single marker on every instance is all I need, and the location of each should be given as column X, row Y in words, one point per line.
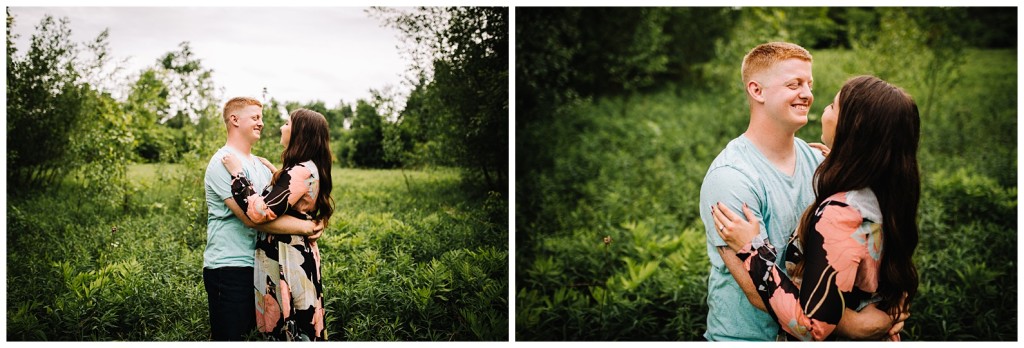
column 776, row 145
column 243, row 147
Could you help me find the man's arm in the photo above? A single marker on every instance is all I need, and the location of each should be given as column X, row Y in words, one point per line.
column 869, row 324
column 739, row 273
column 285, row 224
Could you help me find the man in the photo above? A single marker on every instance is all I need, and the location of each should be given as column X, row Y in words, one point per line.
column 770, row 170
column 230, row 238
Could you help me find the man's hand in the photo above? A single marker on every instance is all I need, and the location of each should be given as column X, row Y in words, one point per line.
column 318, row 231
column 870, row 323
column 285, row 224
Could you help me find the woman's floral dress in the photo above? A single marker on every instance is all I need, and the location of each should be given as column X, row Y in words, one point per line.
column 842, row 254
column 289, row 293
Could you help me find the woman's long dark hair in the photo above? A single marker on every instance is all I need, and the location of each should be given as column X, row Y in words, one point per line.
column 875, row 146
column 311, row 140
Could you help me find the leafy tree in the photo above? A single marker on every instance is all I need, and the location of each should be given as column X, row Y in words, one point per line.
column 992, row 27
column 620, row 50
column 691, row 33
column 339, row 119
column 58, row 123
column 193, row 117
column 190, row 86
column 806, row 26
column 269, row 145
column 368, row 136
column 414, row 145
column 467, row 48
column 44, row 104
column 146, row 105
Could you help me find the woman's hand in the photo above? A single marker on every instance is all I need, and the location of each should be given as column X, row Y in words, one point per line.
column 268, row 164
column 736, row 231
column 232, row 163
column 820, row 147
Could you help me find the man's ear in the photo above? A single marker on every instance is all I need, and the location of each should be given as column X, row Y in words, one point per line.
column 755, row 91
column 233, row 120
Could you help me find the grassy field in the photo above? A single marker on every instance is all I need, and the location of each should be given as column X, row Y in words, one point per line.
column 409, row 255
column 630, row 168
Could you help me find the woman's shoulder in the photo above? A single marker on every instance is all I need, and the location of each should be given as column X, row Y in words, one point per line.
column 311, row 167
column 302, row 170
column 863, row 201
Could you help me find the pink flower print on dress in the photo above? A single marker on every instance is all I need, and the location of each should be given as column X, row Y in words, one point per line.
column 286, row 299
column 258, row 211
column 842, row 252
column 316, row 257
column 297, row 188
column 318, row 318
column 312, row 187
column 271, row 313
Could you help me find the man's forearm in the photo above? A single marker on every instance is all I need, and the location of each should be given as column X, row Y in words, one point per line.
column 741, row 276
column 287, row 224
column 868, row 324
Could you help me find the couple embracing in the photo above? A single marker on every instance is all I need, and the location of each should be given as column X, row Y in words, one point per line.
column 813, row 241
column 261, row 266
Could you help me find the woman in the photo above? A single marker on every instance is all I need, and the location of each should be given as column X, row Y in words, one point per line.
column 289, row 265
column 854, row 244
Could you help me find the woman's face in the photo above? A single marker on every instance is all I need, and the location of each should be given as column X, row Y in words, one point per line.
column 286, row 132
column 829, row 118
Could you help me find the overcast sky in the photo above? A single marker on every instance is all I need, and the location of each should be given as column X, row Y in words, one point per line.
column 297, row 53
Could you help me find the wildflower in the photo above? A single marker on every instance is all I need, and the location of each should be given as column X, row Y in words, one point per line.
column 607, row 240
column 113, row 230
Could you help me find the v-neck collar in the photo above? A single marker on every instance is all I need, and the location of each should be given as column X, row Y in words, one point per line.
column 763, row 158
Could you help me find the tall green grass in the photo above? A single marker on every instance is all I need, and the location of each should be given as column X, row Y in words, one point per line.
column 630, row 167
column 409, row 255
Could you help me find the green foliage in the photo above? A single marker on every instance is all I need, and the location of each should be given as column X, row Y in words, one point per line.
column 368, row 136
column 804, row 26
column 992, row 27
column 630, row 167
column 426, row 264
column 966, row 259
column 59, row 123
column 189, row 84
column 460, row 59
column 147, row 104
column 270, row 139
column 471, row 86
column 564, row 56
column 416, row 145
column 45, row 98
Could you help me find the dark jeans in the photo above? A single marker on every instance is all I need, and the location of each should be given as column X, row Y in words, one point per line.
column 232, row 303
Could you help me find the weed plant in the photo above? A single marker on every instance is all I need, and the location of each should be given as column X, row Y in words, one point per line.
column 408, row 256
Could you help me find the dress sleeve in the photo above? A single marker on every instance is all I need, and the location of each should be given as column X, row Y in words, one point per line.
column 276, row 199
column 812, row 310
